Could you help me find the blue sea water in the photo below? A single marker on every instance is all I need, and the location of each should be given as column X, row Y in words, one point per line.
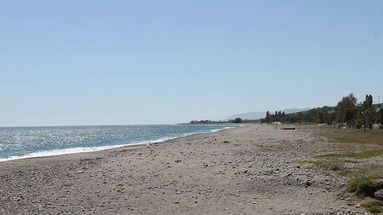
column 24, row 142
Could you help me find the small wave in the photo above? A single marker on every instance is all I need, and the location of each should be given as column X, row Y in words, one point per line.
column 221, row 129
column 56, row 152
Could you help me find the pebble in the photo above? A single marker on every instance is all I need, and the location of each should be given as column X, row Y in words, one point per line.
column 379, row 194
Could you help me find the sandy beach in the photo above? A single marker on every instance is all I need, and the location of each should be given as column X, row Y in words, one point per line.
column 253, row 169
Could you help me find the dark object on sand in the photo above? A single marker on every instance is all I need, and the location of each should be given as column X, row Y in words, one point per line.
column 292, row 128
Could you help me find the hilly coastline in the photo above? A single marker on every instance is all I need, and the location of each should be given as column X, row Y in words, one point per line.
column 255, row 115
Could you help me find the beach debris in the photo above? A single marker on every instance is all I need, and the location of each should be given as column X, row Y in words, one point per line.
column 226, row 141
column 349, row 203
column 177, row 161
column 288, row 128
column 79, row 172
column 307, row 183
column 288, row 175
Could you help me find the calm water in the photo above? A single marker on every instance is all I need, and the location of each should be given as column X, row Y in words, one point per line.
column 44, row 141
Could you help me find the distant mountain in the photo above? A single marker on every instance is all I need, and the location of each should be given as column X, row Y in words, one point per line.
column 261, row 114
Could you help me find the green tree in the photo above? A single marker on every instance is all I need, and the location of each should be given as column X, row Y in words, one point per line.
column 346, row 109
column 283, row 116
column 237, row 120
column 368, row 112
column 367, row 102
column 267, row 118
column 380, row 116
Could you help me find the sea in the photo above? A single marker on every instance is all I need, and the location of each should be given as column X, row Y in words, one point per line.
column 28, row 142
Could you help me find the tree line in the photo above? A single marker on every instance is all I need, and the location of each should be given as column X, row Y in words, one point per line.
column 236, row 120
column 348, row 112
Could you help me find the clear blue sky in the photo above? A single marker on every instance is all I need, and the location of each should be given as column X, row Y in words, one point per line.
column 126, row 62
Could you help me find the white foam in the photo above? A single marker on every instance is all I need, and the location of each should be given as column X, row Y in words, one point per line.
column 221, row 129
column 56, row 152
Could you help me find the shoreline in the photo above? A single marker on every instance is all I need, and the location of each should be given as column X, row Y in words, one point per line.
column 76, row 150
column 247, row 170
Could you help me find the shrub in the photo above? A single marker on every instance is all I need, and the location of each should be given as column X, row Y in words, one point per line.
column 374, row 206
column 364, row 186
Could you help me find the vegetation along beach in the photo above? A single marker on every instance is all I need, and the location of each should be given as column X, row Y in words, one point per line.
column 216, row 107
column 254, row 168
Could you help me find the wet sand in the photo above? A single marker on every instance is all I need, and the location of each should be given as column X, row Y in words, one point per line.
column 252, row 169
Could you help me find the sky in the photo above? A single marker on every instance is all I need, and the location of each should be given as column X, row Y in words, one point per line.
column 94, row 62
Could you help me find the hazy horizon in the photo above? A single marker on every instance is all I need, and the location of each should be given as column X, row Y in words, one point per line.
column 132, row 62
